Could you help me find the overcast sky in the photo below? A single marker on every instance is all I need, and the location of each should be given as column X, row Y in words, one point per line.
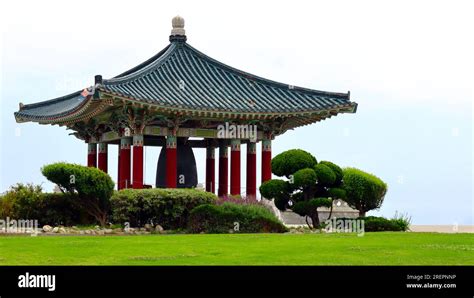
column 408, row 64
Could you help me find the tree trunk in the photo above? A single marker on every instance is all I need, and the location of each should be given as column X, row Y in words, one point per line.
column 330, row 211
column 361, row 213
column 315, row 219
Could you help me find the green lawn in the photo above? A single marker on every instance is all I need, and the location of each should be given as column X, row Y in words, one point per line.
column 241, row 249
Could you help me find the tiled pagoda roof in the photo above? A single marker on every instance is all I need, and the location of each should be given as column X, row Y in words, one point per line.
column 180, row 77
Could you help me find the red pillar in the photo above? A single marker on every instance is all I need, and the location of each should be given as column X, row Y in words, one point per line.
column 251, row 170
column 102, row 157
column 266, row 160
column 137, row 162
column 235, row 167
column 171, row 162
column 223, row 171
column 210, row 169
column 92, row 155
column 125, row 156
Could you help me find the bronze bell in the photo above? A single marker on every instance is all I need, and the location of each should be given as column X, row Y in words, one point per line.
column 187, row 171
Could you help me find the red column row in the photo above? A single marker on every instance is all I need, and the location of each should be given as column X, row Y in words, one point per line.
column 235, row 183
column 125, row 157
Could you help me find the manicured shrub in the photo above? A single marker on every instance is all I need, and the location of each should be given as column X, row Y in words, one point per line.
column 381, row 224
column 310, row 185
column 92, row 186
column 364, row 191
column 288, row 162
column 235, row 218
column 169, row 208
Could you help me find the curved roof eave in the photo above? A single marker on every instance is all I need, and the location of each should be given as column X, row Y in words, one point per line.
column 53, row 108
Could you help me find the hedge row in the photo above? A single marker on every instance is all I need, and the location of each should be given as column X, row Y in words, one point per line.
column 381, row 224
column 168, row 207
column 230, row 217
column 185, row 209
column 29, row 202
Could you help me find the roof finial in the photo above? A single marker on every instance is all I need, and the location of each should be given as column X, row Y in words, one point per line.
column 178, row 33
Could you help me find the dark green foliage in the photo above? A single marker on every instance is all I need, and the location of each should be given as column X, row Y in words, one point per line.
column 308, row 186
column 88, row 182
column 325, row 175
column 304, row 178
column 169, row 208
column 336, row 169
column 274, row 188
column 309, row 208
column 313, row 185
column 381, row 224
column 337, row 193
column 281, row 203
column 234, row 218
column 28, row 202
column 92, row 186
column 20, row 201
column 364, row 191
column 320, row 202
column 288, row 162
column 301, row 208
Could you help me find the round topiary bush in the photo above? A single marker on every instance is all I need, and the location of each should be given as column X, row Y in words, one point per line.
column 336, row 169
column 273, row 188
column 304, row 177
column 288, row 162
column 325, row 175
column 364, row 191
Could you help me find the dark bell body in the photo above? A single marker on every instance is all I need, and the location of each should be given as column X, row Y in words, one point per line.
column 187, row 172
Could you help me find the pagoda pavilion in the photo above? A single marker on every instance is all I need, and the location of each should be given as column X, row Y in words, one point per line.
column 178, row 99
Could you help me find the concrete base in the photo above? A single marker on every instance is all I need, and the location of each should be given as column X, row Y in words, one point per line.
column 340, row 209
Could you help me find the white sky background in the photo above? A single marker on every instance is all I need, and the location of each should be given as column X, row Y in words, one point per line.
column 409, row 65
